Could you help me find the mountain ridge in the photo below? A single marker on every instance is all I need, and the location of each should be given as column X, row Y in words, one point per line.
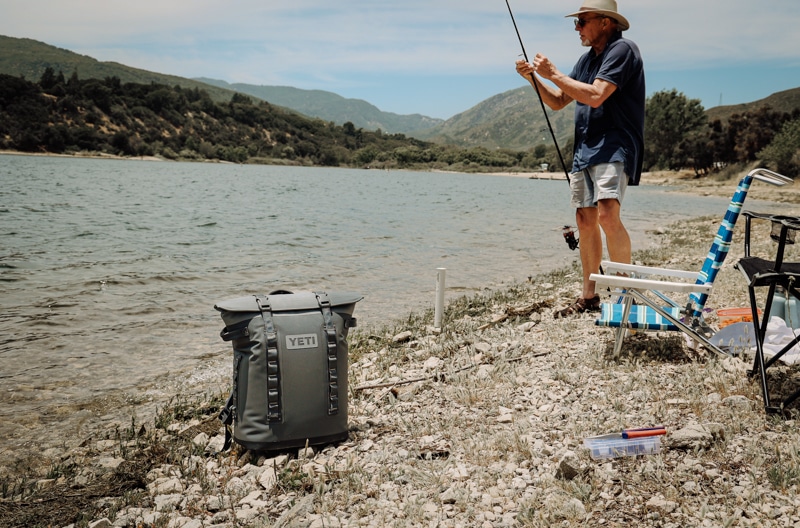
column 512, row 119
column 332, row 107
column 29, row 58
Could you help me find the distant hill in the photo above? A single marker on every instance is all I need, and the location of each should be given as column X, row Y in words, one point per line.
column 509, row 120
column 332, row 107
column 785, row 101
column 29, row 58
column 512, row 119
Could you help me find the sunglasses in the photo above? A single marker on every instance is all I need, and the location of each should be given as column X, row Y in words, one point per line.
column 580, row 22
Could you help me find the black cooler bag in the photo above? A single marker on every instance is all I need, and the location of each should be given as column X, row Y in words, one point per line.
column 289, row 368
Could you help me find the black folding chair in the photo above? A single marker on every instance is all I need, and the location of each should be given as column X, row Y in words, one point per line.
column 771, row 274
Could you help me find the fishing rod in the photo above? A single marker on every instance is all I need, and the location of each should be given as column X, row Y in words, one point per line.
column 567, row 231
column 539, row 95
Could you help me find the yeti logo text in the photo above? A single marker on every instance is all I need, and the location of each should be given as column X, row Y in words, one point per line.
column 297, row 342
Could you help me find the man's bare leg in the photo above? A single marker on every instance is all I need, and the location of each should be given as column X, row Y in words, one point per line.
column 591, row 246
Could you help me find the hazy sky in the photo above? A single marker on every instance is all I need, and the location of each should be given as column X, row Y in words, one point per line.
column 433, row 57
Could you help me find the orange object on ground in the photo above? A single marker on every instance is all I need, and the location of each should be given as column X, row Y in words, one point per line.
column 728, row 316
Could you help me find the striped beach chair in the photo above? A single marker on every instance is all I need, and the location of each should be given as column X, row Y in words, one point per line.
column 642, row 296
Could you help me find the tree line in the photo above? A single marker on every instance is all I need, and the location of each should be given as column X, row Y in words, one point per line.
column 678, row 134
column 70, row 115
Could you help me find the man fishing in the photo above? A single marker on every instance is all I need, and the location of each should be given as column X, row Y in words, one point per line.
column 608, row 86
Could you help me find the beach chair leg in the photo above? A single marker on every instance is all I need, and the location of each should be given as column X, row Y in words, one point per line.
column 621, row 332
column 623, row 329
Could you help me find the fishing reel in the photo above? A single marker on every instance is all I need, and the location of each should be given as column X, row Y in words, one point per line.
column 569, row 237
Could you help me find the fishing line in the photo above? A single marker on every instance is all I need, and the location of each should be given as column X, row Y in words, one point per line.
column 539, row 95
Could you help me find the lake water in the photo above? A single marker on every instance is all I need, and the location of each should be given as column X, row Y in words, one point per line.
column 109, row 269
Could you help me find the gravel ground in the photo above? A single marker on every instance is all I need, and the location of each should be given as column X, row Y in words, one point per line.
column 479, row 425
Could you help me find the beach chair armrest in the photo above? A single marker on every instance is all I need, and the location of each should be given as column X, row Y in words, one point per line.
column 770, row 177
column 603, row 282
column 613, row 268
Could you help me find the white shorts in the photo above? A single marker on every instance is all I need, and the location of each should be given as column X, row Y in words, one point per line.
column 604, row 181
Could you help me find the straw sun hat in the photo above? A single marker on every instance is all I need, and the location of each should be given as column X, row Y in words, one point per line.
column 603, row 7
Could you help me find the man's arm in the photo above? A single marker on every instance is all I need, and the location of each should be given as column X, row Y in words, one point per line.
column 593, row 95
column 555, row 98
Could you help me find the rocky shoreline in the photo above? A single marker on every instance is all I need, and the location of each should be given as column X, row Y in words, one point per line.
column 479, row 425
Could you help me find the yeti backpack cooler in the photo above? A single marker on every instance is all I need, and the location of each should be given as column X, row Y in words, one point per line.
column 289, row 368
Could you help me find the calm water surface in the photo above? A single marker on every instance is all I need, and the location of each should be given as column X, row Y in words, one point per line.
column 109, row 270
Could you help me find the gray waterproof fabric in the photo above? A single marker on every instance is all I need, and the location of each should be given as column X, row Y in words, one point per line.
column 289, row 367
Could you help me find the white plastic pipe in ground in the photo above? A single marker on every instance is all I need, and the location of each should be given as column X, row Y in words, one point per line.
column 439, row 308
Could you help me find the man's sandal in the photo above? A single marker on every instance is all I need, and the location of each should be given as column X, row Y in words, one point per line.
column 581, row 305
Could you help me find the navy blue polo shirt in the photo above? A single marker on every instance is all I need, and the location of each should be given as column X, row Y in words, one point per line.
column 615, row 130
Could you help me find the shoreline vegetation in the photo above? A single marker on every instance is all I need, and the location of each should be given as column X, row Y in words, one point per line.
column 479, row 425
